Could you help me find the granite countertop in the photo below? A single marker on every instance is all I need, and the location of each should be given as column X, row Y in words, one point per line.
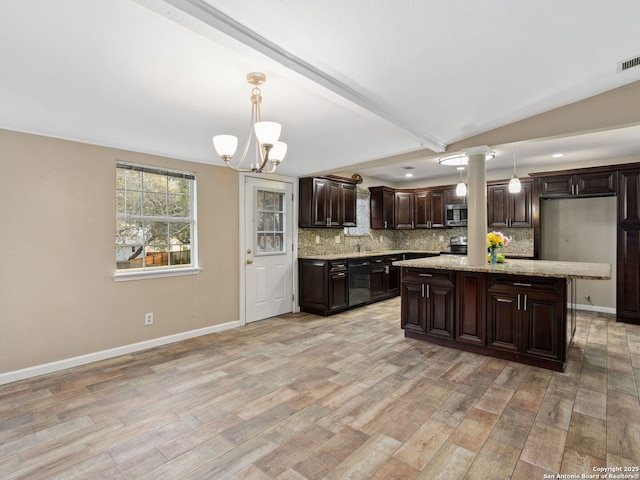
column 338, row 256
column 533, row 268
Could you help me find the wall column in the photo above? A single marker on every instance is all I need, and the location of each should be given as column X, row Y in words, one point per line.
column 477, row 205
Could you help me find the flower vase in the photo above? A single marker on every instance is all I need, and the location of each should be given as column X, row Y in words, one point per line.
column 493, row 256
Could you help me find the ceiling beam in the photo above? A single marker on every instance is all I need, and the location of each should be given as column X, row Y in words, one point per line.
column 214, row 18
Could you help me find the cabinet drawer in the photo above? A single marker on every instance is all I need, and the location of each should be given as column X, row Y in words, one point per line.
column 338, row 266
column 552, row 285
column 423, row 274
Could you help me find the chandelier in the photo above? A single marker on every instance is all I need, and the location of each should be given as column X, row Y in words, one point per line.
column 269, row 151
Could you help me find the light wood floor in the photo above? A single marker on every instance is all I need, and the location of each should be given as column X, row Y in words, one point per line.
column 343, row 397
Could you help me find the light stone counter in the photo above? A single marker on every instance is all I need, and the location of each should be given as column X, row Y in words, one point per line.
column 338, row 256
column 533, row 268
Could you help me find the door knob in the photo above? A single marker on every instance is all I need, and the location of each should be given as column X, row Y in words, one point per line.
column 249, row 261
column 248, row 250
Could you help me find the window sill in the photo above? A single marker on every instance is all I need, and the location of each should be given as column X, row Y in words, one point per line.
column 142, row 275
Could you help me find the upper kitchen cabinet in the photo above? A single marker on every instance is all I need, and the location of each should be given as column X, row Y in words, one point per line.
column 406, row 209
column 327, row 202
column 509, row 210
column 591, row 182
column 382, row 203
column 452, row 198
column 429, row 208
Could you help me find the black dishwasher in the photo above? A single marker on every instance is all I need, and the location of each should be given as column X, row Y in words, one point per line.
column 359, row 281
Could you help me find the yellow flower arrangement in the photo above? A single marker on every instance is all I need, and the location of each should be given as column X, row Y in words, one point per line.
column 496, row 239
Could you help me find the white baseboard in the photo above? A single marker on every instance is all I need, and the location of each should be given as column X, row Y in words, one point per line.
column 113, row 352
column 595, row 308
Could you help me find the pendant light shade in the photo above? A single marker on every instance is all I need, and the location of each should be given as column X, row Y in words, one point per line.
column 267, row 133
column 514, row 183
column 461, row 187
column 225, row 145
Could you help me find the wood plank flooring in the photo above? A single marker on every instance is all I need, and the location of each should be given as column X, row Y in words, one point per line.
column 344, row 397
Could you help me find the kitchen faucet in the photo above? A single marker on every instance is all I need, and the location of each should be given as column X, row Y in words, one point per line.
column 360, row 240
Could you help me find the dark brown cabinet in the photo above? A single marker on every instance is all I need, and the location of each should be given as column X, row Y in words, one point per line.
column 385, row 277
column 593, row 183
column 452, row 198
column 327, row 202
column 382, row 208
column 471, row 294
column 427, row 304
column 514, row 317
column 628, row 239
column 323, row 287
column 406, row 209
column 525, row 316
column 509, row 210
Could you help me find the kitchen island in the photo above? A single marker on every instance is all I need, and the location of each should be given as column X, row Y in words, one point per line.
column 520, row 310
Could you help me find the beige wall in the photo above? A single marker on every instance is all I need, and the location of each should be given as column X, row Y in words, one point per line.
column 582, row 230
column 57, row 295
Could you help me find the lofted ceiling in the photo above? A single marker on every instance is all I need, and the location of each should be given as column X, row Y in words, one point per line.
column 352, row 82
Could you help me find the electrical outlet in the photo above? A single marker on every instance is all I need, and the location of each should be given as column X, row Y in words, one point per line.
column 148, row 318
column 317, row 238
column 337, row 238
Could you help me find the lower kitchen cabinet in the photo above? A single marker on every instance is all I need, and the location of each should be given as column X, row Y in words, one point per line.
column 525, row 316
column 323, row 286
column 519, row 318
column 427, row 304
column 385, row 277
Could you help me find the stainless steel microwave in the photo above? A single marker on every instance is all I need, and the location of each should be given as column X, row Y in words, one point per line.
column 455, row 215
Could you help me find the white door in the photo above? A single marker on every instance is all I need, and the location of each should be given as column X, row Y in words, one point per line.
column 268, row 207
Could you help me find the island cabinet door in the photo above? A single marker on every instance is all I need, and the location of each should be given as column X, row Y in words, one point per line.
column 542, row 325
column 440, row 308
column 471, row 307
column 414, row 307
column 504, row 322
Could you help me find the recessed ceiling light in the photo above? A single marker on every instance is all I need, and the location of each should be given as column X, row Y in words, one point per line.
column 408, row 174
column 557, row 155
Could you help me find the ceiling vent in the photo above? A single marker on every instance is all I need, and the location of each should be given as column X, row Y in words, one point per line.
column 629, row 63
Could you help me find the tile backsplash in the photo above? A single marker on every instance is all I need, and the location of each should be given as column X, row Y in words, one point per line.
column 330, row 241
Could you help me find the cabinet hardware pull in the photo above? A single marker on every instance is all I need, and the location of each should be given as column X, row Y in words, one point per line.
column 425, row 275
column 516, row 284
column 518, row 301
column 422, row 290
column 385, row 224
column 249, row 261
column 386, row 269
column 525, row 303
column 427, row 290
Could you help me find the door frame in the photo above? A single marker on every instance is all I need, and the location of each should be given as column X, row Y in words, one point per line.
column 243, row 244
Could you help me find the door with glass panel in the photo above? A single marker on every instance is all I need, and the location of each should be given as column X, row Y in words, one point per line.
column 269, row 248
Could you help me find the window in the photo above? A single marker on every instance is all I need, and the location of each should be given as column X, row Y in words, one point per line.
column 270, row 213
column 155, row 220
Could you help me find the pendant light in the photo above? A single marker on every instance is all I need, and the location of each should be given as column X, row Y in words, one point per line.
column 514, row 183
column 269, row 151
column 461, row 187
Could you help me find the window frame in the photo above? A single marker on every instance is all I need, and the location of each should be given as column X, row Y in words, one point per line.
column 165, row 270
